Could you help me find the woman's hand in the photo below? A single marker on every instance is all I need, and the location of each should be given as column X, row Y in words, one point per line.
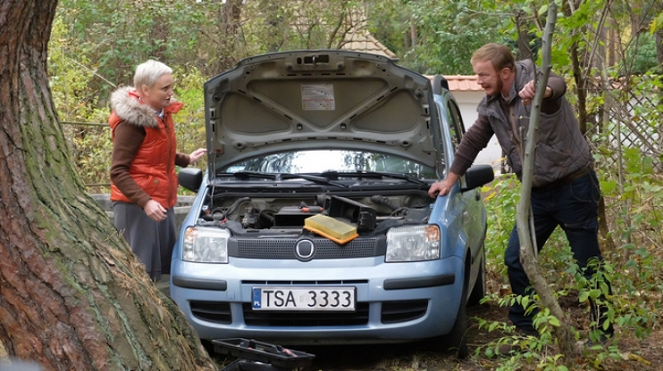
column 155, row 211
column 197, row 154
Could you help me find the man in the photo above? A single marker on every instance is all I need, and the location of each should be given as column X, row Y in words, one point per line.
column 565, row 189
column 143, row 179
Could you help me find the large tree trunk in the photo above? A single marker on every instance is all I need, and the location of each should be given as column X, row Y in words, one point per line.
column 72, row 294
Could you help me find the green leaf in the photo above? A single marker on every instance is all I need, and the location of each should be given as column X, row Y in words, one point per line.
column 594, row 293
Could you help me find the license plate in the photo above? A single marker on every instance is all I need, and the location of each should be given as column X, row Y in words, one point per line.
column 304, row 298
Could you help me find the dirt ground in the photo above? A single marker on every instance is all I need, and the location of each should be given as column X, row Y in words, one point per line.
column 634, row 354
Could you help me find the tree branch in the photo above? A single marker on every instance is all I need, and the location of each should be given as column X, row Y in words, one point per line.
column 547, row 297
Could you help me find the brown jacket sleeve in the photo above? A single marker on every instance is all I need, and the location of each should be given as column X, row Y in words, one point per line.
column 128, row 139
column 182, row 160
column 475, row 139
column 558, row 86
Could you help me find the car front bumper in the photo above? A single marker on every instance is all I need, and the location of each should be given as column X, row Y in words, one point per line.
column 396, row 302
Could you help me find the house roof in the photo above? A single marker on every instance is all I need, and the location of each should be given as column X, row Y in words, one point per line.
column 461, row 83
column 363, row 41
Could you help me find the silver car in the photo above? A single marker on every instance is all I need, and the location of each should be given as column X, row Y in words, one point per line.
column 312, row 223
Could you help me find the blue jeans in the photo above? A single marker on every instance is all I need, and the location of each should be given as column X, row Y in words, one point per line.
column 573, row 206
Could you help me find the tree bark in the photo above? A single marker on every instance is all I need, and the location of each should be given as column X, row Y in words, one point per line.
column 526, row 236
column 72, row 294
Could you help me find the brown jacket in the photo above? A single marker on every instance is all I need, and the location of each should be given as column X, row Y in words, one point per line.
column 561, row 149
column 144, row 151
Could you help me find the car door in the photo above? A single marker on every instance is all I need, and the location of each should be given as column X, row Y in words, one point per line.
column 473, row 216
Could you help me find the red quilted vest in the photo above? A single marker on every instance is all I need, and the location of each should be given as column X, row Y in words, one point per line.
column 153, row 168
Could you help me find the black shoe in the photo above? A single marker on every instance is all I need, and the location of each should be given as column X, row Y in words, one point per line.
column 527, row 331
column 507, row 350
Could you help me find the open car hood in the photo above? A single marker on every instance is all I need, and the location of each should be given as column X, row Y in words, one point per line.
column 319, row 99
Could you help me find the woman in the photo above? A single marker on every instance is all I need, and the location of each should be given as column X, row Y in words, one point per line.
column 143, row 179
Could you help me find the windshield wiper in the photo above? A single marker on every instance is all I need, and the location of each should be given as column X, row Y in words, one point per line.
column 249, row 174
column 372, row 174
column 283, row 176
column 312, row 178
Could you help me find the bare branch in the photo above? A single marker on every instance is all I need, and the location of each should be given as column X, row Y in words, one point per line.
column 562, row 332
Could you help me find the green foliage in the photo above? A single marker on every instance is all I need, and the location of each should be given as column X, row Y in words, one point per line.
column 91, row 146
column 278, row 25
column 634, row 270
column 534, row 352
column 118, row 35
column 640, row 55
column 445, row 34
column 190, row 121
column 501, row 199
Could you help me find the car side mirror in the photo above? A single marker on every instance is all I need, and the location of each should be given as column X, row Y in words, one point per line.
column 190, row 178
column 478, row 175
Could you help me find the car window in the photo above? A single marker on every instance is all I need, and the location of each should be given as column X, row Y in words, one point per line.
column 456, row 127
column 317, row 161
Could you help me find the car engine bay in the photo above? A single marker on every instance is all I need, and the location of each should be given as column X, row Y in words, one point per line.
column 370, row 213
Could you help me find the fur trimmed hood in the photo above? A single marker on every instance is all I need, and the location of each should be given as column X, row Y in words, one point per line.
column 127, row 107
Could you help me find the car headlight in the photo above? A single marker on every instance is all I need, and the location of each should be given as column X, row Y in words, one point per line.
column 413, row 243
column 205, row 245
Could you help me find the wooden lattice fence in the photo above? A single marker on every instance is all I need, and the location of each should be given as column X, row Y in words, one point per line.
column 628, row 115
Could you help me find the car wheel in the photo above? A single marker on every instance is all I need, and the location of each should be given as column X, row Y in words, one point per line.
column 456, row 340
column 479, row 289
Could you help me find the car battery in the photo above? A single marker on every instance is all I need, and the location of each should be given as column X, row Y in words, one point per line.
column 289, row 216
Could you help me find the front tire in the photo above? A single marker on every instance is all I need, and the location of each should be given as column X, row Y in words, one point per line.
column 456, row 340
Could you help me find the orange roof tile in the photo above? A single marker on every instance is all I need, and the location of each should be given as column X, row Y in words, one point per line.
column 461, row 83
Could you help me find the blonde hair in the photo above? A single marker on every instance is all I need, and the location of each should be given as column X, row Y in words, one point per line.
column 148, row 73
column 499, row 55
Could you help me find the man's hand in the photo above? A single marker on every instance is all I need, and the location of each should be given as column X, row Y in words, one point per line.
column 528, row 91
column 155, row 211
column 196, row 155
column 443, row 187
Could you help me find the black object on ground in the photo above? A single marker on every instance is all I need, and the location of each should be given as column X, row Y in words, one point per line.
column 253, row 355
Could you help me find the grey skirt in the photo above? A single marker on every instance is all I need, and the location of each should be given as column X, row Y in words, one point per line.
column 150, row 240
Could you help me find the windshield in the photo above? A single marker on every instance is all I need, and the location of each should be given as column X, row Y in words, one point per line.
column 318, row 161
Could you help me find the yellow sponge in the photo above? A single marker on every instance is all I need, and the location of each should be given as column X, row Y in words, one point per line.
column 331, row 228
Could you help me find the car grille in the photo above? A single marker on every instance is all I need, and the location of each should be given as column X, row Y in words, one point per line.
column 392, row 312
column 324, row 248
column 211, row 311
column 306, row 319
column 403, row 311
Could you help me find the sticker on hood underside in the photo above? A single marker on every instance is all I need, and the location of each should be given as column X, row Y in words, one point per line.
column 318, row 97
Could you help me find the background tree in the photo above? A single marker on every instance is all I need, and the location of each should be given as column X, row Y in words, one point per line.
column 72, row 294
column 432, row 37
